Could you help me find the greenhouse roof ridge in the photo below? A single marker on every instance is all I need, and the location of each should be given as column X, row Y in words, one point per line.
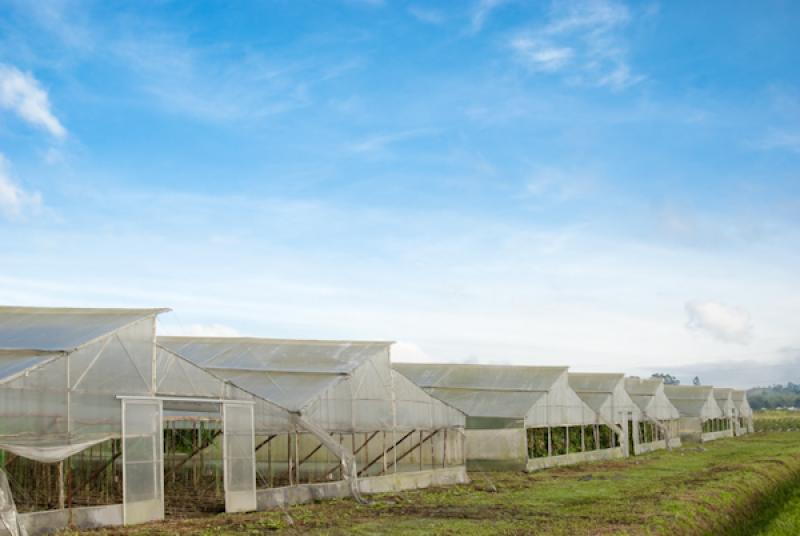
column 267, row 340
column 62, row 329
column 145, row 311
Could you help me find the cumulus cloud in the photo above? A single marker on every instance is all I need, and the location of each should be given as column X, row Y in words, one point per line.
column 14, row 200
column 201, row 330
column 723, row 322
column 21, row 93
column 408, row 352
column 582, row 40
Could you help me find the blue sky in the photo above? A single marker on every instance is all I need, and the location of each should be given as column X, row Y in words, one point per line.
column 609, row 185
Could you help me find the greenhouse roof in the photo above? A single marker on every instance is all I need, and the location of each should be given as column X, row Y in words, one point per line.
column 591, row 382
column 484, row 390
column 33, row 336
column 290, row 373
column 693, row 400
column 45, row 329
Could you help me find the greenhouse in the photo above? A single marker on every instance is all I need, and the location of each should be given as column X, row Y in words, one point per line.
column 724, row 399
column 744, row 421
column 523, row 418
column 98, row 427
column 398, row 436
column 606, row 395
column 659, row 426
column 701, row 417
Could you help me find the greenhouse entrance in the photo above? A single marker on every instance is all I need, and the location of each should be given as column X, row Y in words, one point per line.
column 192, row 455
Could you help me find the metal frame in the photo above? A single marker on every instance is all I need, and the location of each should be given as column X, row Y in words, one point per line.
column 158, row 454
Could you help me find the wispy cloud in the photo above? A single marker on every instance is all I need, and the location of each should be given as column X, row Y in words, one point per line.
column 480, row 13
column 379, row 142
column 208, row 83
column 781, row 139
column 15, row 202
column 723, row 322
column 22, row 94
column 558, row 184
column 583, row 41
column 541, row 56
column 426, row 14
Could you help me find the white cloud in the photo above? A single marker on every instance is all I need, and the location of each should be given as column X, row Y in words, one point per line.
column 15, row 201
column 426, row 15
column 558, row 184
column 408, row 352
column 481, row 13
column 21, row 93
column 781, row 139
column 582, row 40
column 379, row 142
column 199, row 330
column 723, row 322
column 541, row 56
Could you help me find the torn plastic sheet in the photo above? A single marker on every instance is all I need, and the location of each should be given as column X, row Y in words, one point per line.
column 9, row 523
column 51, row 453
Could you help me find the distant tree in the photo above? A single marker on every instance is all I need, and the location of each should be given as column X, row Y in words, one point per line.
column 669, row 379
column 696, row 380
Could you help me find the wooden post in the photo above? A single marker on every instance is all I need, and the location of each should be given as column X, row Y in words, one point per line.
column 583, row 438
column 566, row 439
column 61, row 496
column 297, row 456
column 383, row 449
column 444, row 449
column 270, row 472
column 420, row 449
column 549, row 441
column 289, row 456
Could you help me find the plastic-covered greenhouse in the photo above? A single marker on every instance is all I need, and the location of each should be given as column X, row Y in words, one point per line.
column 744, row 421
column 99, row 427
column 519, row 417
column 701, row 417
column 724, row 398
column 659, row 427
column 605, row 393
column 399, row 436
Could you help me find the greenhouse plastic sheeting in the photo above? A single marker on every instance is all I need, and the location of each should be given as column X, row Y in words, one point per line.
column 724, row 399
column 648, row 394
column 50, row 453
column 142, row 461
column 9, row 524
column 67, row 397
column 605, row 393
column 742, row 404
column 39, row 328
column 539, row 395
column 343, row 386
column 693, row 401
column 239, row 456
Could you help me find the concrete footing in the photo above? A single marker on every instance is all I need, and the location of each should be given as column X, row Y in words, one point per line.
column 50, row 521
column 535, row 464
column 90, row 517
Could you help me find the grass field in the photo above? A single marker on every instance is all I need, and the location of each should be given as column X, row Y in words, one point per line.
column 732, row 486
column 776, row 420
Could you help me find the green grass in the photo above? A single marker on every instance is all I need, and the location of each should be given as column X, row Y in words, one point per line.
column 725, row 487
column 777, row 420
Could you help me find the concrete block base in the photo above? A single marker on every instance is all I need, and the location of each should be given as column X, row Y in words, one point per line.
column 90, row 517
column 535, row 464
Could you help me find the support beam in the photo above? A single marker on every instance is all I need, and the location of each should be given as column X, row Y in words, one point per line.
column 195, row 452
column 422, row 440
column 390, row 449
column 263, row 443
